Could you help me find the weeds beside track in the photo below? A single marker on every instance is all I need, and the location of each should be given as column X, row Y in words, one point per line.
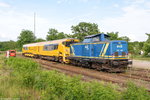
column 53, row 85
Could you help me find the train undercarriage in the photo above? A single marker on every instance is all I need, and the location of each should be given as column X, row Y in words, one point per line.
column 107, row 65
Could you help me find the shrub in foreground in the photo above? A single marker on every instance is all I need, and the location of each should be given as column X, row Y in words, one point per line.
column 57, row 86
column 135, row 93
column 25, row 69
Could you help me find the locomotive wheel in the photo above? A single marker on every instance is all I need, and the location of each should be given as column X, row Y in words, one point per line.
column 96, row 66
column 73, row 62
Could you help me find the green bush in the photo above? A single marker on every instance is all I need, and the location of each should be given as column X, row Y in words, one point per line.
column 54, row 85
column 26, row 70
column 103, row 92
column 135, row 93
column 59, row 86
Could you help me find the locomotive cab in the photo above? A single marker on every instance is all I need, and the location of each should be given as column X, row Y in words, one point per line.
column 96, row 38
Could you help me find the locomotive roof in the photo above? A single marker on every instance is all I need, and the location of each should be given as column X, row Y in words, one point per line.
column 46, row 42
column 90, row 36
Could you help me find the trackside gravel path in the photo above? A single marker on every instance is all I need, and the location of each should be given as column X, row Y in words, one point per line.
column 141, row 64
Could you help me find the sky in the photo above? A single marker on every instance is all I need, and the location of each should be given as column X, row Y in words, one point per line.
column 128, row 17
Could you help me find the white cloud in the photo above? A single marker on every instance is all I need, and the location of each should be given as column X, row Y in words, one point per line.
column 69, row 1
column 116, row 5
column 147, row 4
column 2, row 4
column 134, row 23
column 138, row 1
column 84, row 0
column 62, row 1
column 12, row 23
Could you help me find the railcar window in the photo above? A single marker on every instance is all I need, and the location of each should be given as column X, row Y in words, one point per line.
column 45, row 48
column 50, row 47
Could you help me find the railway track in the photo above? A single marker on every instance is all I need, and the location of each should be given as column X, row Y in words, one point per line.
column 140, row 74
column 76, row 71
column 88, row 74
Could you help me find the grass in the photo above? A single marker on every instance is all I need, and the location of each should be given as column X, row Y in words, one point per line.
column 10, row 86
column 22, row 78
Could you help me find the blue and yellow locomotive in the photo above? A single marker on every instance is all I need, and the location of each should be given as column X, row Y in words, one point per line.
column 97, row 51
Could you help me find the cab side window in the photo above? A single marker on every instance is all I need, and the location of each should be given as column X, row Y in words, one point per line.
column 95, row 39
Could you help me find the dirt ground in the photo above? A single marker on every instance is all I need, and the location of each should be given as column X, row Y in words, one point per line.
column 141, row 64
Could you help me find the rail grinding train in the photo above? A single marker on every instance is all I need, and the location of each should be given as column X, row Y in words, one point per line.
column 96, row 51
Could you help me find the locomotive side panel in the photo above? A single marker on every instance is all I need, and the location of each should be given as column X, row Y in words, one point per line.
column 76, row 50
column 86, row 50
column 97, row 49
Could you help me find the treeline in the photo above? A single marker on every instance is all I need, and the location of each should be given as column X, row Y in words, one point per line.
column 8, row 45
column 78, row 31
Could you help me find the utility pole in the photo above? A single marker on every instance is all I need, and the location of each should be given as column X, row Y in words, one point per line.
column 34, row 23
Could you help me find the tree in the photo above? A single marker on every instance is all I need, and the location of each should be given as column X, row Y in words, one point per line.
column 8, row 45
column 125, row 38
column 113, row 35
column 134, row 47
column 147, row 45
column 39, row 40
column 53, row 34
column 61, row 35
column 146, row 48
column 148, row 40
column 26, row 36
column 83, row 29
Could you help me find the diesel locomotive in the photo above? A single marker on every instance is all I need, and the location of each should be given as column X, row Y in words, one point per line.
column 96, row 51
